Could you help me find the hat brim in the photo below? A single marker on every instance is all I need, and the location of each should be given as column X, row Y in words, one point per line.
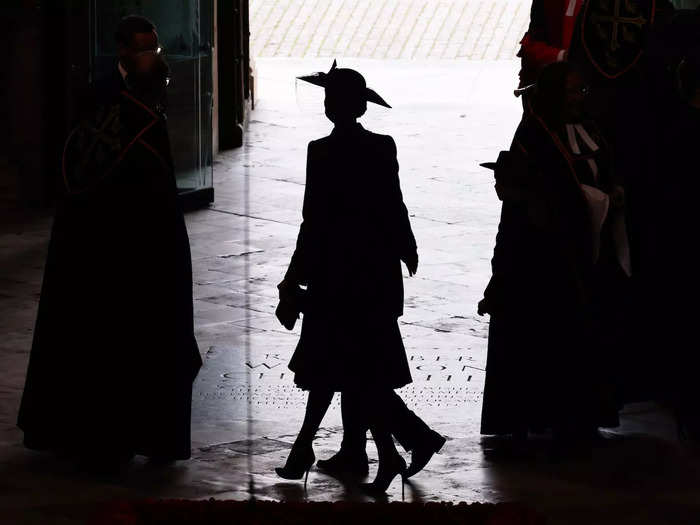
column 373, row 96
column 321, row 80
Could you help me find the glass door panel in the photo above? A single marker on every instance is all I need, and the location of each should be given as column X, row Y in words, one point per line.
column 185, row 29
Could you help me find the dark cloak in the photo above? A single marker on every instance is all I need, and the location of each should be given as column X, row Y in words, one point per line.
column 678, row 283
column 632, row 111
column 542, row 366
column 114, row 353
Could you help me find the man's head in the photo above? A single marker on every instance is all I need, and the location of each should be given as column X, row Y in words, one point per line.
column 137, row 43
column 346, row 98
column 141, row 56
column 561, row 93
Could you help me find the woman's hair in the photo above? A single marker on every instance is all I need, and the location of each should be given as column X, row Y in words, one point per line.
column 342, row 108
column 550, row 92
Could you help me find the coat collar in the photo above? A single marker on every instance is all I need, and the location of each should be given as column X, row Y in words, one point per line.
column 353, row 129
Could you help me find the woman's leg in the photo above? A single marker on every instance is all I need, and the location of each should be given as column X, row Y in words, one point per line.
column 317, row 405
column 391, row 464
column 388, row 455
column 302, row 457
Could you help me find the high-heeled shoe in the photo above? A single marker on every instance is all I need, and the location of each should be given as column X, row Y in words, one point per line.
column 299, row 463
column 385, row 476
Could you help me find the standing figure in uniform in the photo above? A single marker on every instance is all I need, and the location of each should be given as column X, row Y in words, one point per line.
column 114, row 354
column 610, row 47
column 560, row 253
column 354, row 236
column 547, row 39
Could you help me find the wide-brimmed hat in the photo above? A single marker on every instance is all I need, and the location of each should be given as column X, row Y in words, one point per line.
column 346, row 80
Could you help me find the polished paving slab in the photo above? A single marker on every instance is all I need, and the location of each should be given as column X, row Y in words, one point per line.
column 446, row 118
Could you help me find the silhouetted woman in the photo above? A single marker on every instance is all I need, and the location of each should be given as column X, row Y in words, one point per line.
column 560, row 267
column 354, row 235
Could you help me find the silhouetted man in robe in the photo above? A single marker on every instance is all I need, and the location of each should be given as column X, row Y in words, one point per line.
column 610, row 47
column 676, row 279
column 560, row 252
column 114, row 353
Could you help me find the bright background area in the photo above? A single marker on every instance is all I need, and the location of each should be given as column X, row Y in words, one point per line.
column 381, row 29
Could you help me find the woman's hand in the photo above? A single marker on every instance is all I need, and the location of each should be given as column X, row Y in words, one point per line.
column 411, row 263
column 286, row 290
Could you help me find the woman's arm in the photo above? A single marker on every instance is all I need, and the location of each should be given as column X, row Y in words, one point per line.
column 407, row 247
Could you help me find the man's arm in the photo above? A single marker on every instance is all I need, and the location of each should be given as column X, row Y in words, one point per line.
column 536, row 48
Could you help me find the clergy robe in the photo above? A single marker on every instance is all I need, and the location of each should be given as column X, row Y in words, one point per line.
column 543, row 365
column 623, row 100
column 631, row 108
column 627, row 103
column 114, row 355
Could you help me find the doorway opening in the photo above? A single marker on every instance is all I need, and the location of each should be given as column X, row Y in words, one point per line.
column 448, row 69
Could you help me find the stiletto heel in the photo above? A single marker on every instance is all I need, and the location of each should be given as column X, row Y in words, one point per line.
column 298, row 464
column 381, row 483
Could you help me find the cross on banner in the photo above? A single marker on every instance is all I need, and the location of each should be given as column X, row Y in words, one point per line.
column 613, row 34
column 616, row 20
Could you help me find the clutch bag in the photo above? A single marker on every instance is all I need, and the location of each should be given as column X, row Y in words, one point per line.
column 289, row 309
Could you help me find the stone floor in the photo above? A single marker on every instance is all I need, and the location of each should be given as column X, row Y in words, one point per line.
column 447, row 117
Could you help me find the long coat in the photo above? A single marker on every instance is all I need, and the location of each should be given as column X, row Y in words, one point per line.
column 114, row 353
column 354, row 234
column 541, row 366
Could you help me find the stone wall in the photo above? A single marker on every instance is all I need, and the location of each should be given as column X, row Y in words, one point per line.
column 22, row 107
column 8, row 177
